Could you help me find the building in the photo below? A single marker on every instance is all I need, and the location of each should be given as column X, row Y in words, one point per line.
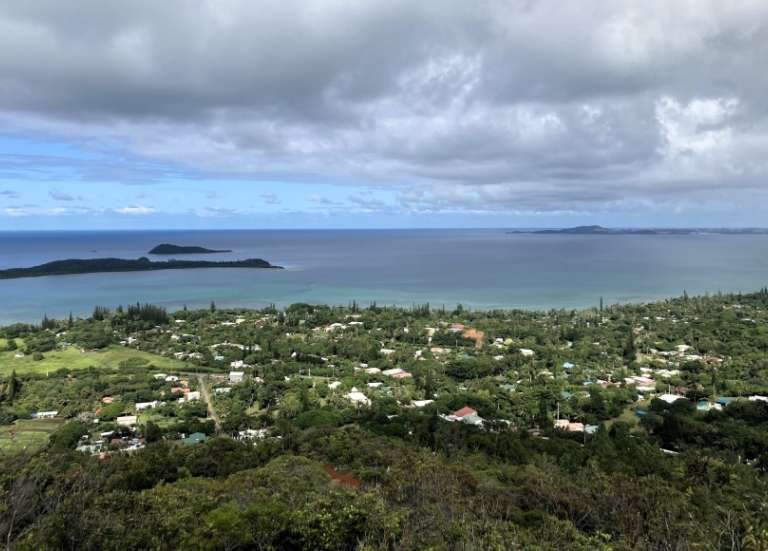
column 44, row 415
column 195, row 438
column 236, row 377
column 192, row 396
column 467, row 415
column 357, row 398
column 126, row 421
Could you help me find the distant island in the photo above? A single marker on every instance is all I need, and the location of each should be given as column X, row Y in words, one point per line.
column 167, row 248
column 600, row 230
column 143, row 264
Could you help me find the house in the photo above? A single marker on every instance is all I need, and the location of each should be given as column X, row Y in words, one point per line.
column 565, row 424
column 159, row 376
column 456, row 327
column 705, row 405
column 671, row 398
column 252, row 434
column 334, row 385
column 195, row 438
column 527, row 352
column 372, row 370
column 126, row 421
column 140, row 406
column 44, row 415
column 191, row 396
column 236, row 377
column 568, row 365
column 421, row 403
column 386, row 351
column 107, row 399
column 725, row 400
column 171, row 378
column 374, row 385
column 396, row 373
column 222, row 390
column 357, row 397
column 467, row 415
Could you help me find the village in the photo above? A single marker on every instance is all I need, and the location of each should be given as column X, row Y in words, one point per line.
column 239, row 373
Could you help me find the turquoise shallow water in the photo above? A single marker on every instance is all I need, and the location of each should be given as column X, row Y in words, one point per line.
column 478, row 268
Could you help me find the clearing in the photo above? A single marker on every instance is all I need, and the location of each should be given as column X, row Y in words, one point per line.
column 74, row 358
column 27, row 434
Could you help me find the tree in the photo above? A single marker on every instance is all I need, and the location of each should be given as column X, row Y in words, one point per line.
column 429, row 385
column 68, row 435
column 152, row 432
column 630, row 352
column 14, row 387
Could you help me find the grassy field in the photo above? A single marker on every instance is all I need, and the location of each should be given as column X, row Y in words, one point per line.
column 73, row 358
column 27, row 434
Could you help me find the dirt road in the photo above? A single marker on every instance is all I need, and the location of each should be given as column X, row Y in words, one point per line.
column 203, row 385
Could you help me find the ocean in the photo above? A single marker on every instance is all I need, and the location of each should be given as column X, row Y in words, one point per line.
column 484, row 268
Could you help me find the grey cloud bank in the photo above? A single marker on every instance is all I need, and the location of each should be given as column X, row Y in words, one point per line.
column 484, row 107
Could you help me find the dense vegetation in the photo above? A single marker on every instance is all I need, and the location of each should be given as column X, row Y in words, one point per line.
column 316, row 427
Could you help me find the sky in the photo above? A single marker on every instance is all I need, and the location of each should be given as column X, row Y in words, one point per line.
column 383, row 114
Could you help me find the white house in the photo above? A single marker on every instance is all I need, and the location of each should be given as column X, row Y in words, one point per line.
column 127, row 421
column 146, row 405
column 671, row 398
column 527, row 352
column 334, row 385
column 236, row 377
column 44, row 415
column 192, row 396
column 357, row 397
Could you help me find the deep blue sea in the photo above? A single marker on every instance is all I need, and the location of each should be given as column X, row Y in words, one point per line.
column 478, row 268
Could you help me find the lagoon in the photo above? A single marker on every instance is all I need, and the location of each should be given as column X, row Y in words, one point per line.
column 483, row 268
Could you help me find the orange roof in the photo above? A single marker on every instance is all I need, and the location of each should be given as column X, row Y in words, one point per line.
column 463, row 412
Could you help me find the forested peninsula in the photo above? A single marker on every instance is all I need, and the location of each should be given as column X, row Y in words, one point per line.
column 143, row 264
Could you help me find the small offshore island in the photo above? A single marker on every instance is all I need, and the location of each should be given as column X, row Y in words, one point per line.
column 168, row 249
column 600, row 230
column 143, row 264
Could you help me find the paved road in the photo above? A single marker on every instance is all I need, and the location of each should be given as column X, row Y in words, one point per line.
column 203, row 385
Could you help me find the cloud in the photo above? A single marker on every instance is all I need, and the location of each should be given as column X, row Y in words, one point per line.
column 270, row 198
column 9, row 194
column 135, row 210
column 324, row 201
column 505, row 105
column 61, row 196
